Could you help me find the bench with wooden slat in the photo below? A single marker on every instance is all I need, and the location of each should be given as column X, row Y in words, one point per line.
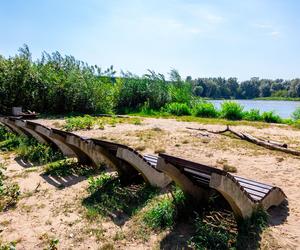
column 244, row 192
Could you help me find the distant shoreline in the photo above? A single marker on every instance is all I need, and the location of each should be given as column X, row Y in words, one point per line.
column 296, row 99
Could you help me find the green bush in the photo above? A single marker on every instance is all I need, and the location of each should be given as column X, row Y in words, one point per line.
column 79, row 122
column 178, row 109
column 38, row 153
column 209, row 237
column 204, row 109
column 252, row 115
column 3, row 133
column 271, row 117
column 99, row 182
column 9, row 192
column 163, row 213
column 231, row 110
column 296, row 114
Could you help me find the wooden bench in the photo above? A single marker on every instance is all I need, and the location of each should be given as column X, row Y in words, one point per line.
column 243, row 195
column 143, row 164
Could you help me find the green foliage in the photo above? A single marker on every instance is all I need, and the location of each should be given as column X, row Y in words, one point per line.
column 9, row 192
column 29, row 149
column 231, row 110
column 99, row 182
column 67, row 167
column 3, row 133
column 209, row 237
column 296, row 114
column 79, row 122
column 7, row 246
column 178, row 109
column 108, row 196
column 11, row 142
column 38, row 153
column 252, row 115
column 204, row 109
column 163, row 213
column 250, row 229
column 271, row 117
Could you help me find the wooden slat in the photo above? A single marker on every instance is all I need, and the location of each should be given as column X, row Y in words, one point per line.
column 259, row 184
column 256, row 188
column 206, row 176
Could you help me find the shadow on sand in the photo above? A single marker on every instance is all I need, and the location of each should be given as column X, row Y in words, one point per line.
column 247, row 233
column 63, row 181
column 117, row 201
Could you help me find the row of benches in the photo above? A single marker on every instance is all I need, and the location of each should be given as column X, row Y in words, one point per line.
column 196, row 179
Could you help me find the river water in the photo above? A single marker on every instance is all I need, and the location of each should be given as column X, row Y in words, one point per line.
column 282, row 108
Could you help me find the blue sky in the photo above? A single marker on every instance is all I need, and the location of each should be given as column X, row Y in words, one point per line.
column 199, row 38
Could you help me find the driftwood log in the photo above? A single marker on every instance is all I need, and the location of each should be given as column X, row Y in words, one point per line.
column 274, row 145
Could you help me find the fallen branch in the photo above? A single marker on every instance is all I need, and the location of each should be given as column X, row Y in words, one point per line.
column 273, row 145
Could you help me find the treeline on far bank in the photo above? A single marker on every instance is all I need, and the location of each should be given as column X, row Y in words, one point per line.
column 59, row 84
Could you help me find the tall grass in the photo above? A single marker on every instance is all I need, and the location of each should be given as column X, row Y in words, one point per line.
column 178, row 109
column 231, row 110
column 271, row 117
column 204, row 109
column 163, row 213
column 28, row 148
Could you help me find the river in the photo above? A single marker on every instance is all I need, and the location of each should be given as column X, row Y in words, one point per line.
column 282, row 108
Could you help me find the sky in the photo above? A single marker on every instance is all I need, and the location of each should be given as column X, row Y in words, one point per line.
column 209, row 38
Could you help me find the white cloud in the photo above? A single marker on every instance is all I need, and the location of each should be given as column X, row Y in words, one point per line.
column 269, row 29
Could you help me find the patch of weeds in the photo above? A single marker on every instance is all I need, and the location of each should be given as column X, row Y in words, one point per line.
column 79, row 122
column 212, row 233
column 140, row 148
column 97, row 232
column 109, row 198
column 229, row 168
column 51, row 242
column 250, row 230
column 8, row 246
column 107, row 246
column 231, row 110
column 87, row 122
column 136, row 121
column 9, row 192
column 219, row 230
column 178, row 109
column 159, row 150
column 271, row 117
column 38, row 153
column 119, row 235
column 67, row 167
column 163, row 213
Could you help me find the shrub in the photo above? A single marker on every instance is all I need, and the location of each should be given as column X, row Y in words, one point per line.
column 209, row 237
column 231, row 110
column 3, row 133
column 179, row 109
column 271, row 117
column 67, row 167
column 9, row 192
column 11, row 142
column 252, row 115
column 79, row 122
column 296, row 114
column 229, row 168
column 38, row 153
column 163, row 213
column 96, row 183
column 204, row 109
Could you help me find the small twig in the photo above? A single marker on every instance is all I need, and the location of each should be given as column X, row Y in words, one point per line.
column 36, row 189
